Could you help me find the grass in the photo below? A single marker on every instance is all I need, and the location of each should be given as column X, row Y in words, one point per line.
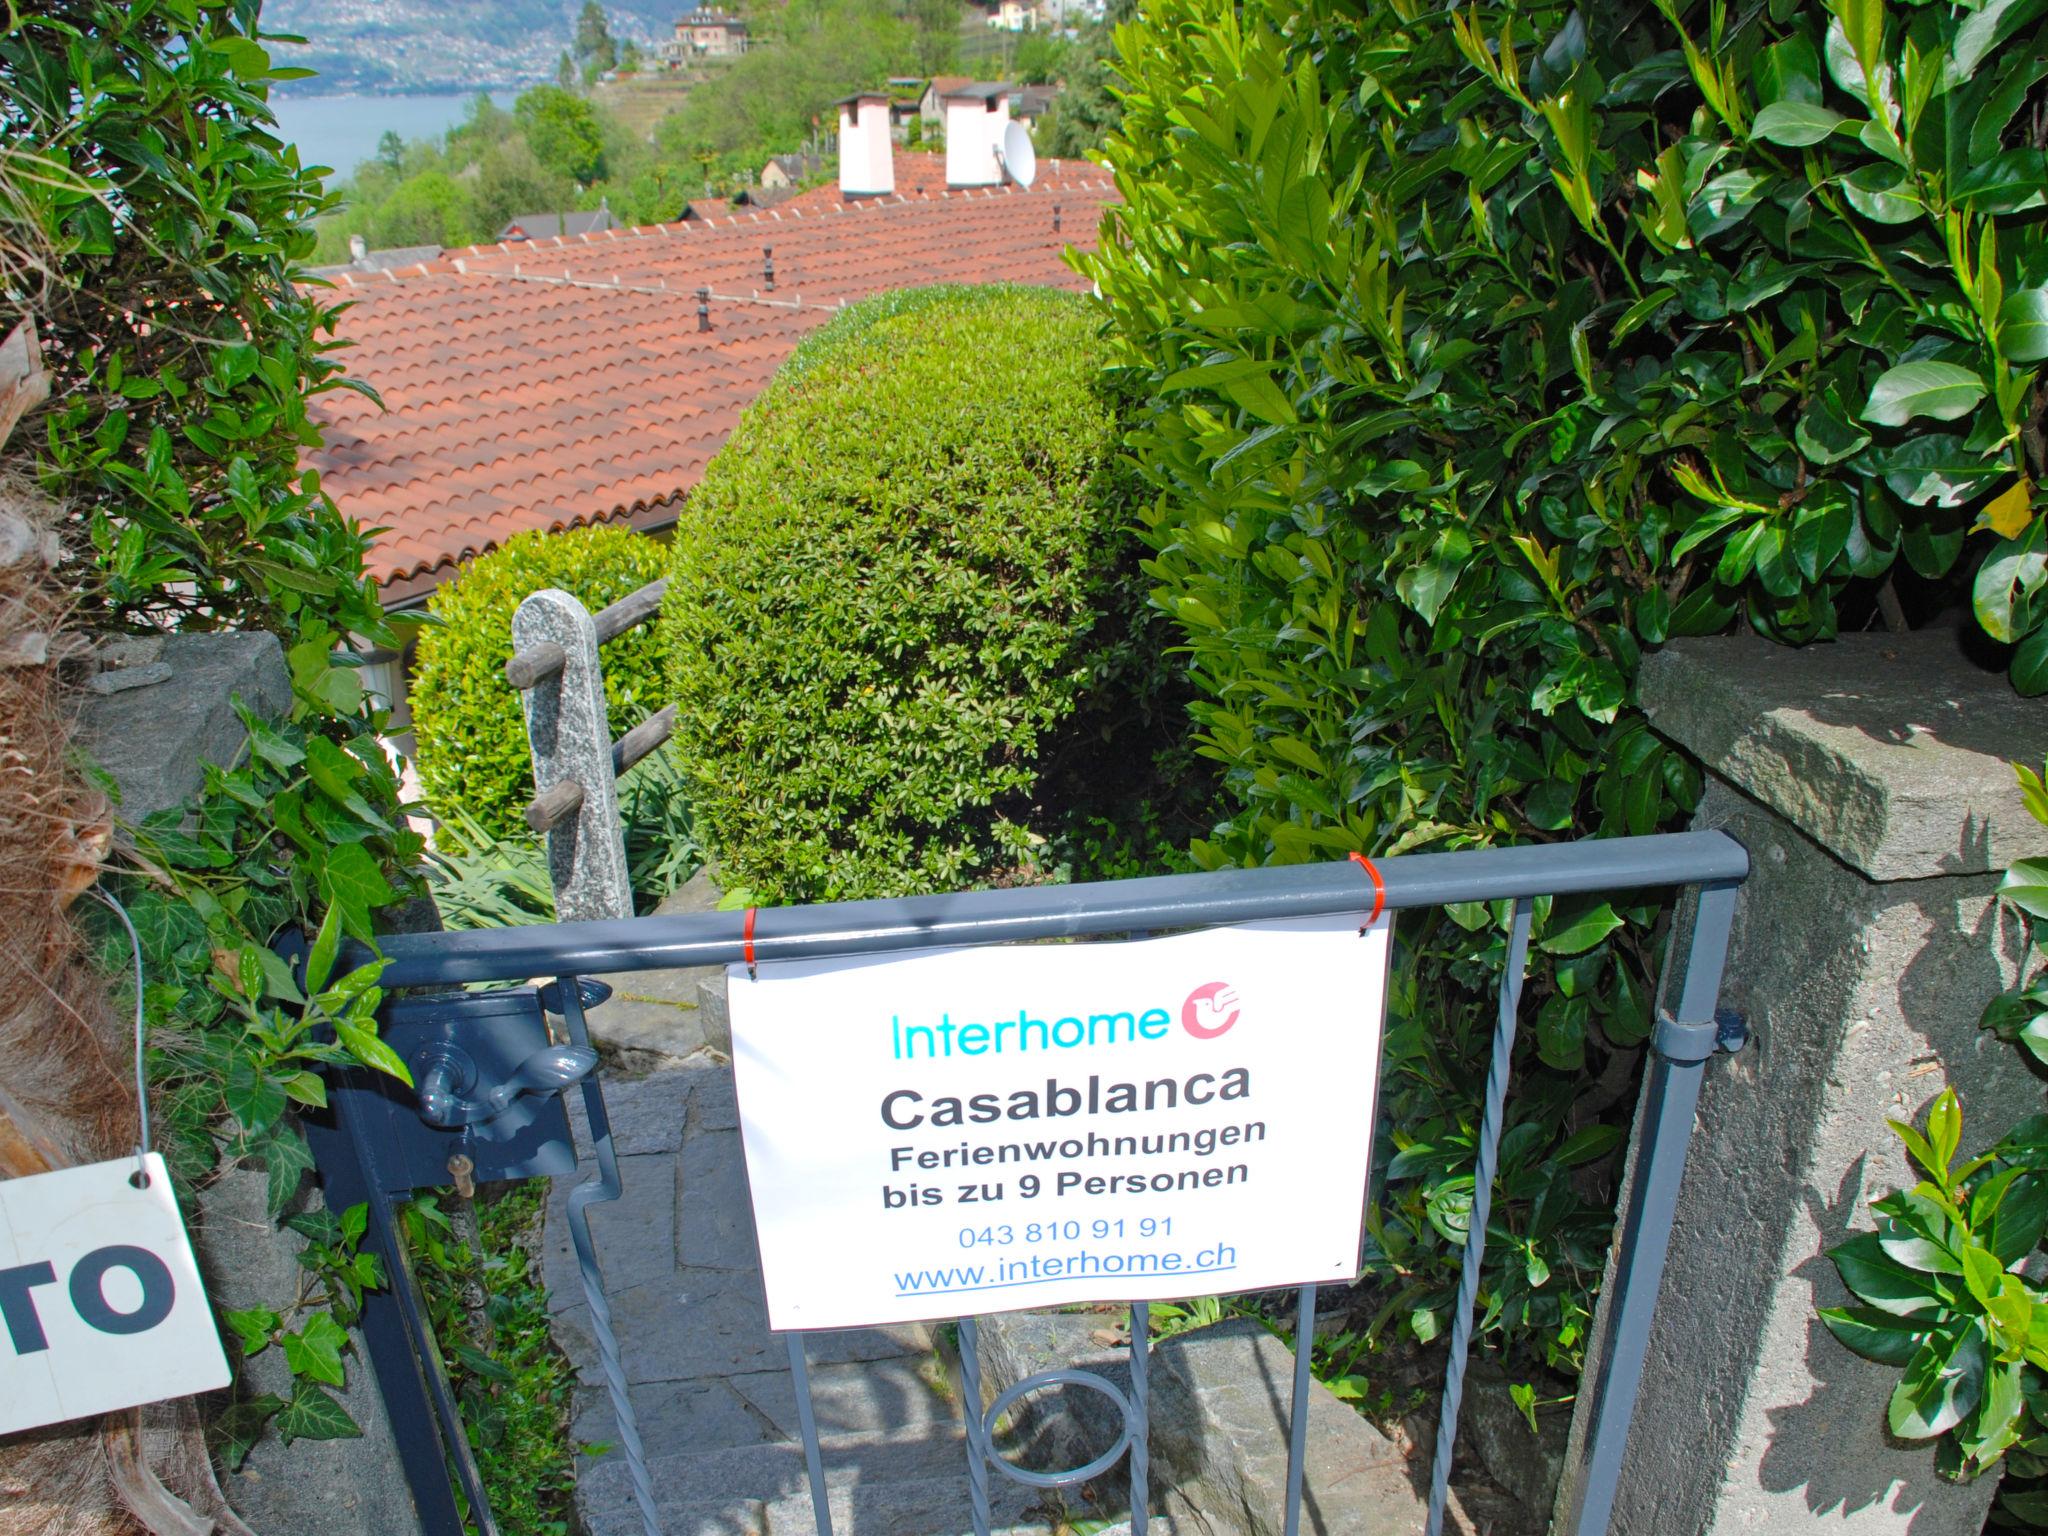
column 479, row 1268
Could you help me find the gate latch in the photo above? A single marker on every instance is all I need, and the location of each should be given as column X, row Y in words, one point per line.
column 453, row 1094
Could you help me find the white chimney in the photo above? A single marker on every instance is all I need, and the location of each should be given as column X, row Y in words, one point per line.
column 867, row 165
column 976, row 116
column 358, row 249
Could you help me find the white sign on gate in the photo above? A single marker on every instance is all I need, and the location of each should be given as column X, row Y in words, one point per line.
column 100, row 1302
column 948, row 1132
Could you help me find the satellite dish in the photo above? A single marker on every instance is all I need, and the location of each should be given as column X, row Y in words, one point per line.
column 1020, row 160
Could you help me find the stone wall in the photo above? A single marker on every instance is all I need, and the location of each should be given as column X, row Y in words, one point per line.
column 1869, row 780
column 165, row 708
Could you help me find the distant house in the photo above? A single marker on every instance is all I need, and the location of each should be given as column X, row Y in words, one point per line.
column 1013, row 16
column 547, row 226
column 931, row 106
column 791, row 170
column 709, row 34
column 906, row 103
column 362, row 259
column 1031, row 102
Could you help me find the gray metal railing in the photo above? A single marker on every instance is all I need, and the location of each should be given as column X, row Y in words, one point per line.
column 1687, row 1033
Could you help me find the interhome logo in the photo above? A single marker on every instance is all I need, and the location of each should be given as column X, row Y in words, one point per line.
column 1208, row 1012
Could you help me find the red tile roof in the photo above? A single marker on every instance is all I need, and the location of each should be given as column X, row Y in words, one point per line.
column 550, row 384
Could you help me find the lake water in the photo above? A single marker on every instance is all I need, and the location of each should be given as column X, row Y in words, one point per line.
column 342, row 131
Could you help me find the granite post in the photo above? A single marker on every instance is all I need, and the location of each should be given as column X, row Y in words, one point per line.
column 1869, row 779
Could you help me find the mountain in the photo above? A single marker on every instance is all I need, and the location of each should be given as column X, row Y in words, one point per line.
column 443, row 45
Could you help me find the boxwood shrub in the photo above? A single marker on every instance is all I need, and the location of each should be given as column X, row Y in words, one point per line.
column 906, row 623
column 469, row 729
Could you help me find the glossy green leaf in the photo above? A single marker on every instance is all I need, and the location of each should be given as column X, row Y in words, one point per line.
column 1873, row 1334
column 1941, row 390
column 2025, row 885
column 2023, row 326
column 1581, row 932
column 1795, row 123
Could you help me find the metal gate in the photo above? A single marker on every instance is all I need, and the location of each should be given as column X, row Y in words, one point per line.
column 491, row 1076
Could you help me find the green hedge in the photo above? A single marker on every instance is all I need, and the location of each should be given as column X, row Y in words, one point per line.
column 1488, row 347
column 907, row 639
column 469, row 729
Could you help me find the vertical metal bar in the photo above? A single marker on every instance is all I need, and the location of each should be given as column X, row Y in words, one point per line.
column 1491, row 1115
column 1297, row 1420
column 807, row 1423
column 1141, row 1415
column 605, row 1187
column 1684, row 1040
column 977, row 1448
column 425, row 1422
column 570, row 736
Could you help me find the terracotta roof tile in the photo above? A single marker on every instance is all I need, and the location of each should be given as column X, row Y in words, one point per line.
column 548, row 385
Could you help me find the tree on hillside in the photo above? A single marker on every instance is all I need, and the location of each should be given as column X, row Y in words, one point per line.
column 563, row 131
column 510, row 180
column 1041, row 58
column 596, row 51
column 565, row 72
column 429, row 209
column 391, row 150
column 938, row 34
column 1085, row 112
column 765, row 100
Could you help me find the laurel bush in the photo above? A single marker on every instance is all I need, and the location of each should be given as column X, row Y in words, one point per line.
column 469, row 728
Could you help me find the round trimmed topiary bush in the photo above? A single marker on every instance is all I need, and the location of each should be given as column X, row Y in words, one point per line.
column 468, row 726
column 905, row 624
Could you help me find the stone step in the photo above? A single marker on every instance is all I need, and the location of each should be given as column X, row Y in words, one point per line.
column 906, row 1397
column 776, row 1470
column 935, row 1506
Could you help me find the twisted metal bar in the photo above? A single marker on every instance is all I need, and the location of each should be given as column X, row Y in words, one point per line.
column 977, row 1446
column 1297, row 1420
column 807, row 1424
column 1141, row 1415
column 605, row 1187
column 1482, row 1206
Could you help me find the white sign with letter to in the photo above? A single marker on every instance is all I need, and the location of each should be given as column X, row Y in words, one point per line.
column 948, row 1132
column 100, row 1302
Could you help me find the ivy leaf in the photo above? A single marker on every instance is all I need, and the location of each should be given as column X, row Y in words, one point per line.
column 241, row 1426
column 253, row 1096
column 314, row 1415
column 271, row 744
column 253, row 1328
column 315, row 1350
column 286, row 1161
column 353, row 882
column 1941, row 390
